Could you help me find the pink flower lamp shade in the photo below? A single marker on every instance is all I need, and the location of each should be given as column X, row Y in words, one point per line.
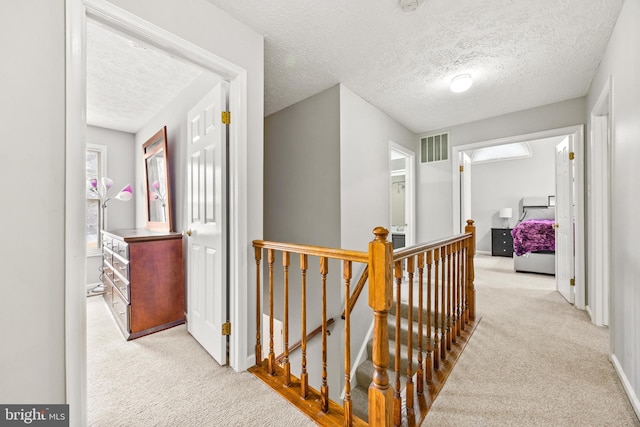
column 102, row 193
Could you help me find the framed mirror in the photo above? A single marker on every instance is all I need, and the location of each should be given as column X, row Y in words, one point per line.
column 158, row 188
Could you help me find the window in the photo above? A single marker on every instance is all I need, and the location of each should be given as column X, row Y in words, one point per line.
column 434, row 148
column 96, row 167
column 518, row 150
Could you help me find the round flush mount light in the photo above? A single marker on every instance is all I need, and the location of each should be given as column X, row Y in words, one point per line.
column 410, row 5
column 460, row 83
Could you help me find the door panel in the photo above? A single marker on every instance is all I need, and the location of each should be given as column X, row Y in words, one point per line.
column 206, row 284
column 564, row 220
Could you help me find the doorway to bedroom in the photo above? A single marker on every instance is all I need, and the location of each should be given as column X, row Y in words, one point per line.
column 499, row 174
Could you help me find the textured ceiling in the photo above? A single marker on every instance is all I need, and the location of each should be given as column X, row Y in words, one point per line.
column 127, row 83
column 521, row 53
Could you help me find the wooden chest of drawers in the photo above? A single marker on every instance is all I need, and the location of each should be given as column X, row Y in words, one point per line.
column 143, row 276
column 501, row 242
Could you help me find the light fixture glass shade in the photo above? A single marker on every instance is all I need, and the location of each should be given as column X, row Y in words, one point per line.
column 461, row 83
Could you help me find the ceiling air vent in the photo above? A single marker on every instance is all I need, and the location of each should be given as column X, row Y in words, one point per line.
column 434, row 148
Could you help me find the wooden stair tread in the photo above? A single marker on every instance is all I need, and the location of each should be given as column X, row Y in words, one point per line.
column 431, row 388
column 310, row 406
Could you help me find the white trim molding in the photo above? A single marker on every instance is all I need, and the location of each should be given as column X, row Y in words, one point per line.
column 626, row 384
column 577, row 132
column 410, row 190
column 119, row 20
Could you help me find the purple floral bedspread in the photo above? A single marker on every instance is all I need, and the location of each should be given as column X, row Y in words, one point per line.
column 534, row 235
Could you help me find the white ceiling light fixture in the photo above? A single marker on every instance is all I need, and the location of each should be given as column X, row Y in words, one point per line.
column 410, row 5
column 461, row 83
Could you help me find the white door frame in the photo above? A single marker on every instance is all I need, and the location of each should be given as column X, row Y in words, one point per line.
column 601, row 137
column 76, row 13
column 578, row 134
column 409, row 191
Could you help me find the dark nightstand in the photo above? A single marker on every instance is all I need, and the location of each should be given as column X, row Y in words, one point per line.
column 501, row 242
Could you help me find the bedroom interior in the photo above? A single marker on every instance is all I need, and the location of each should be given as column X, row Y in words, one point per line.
column 228, row 33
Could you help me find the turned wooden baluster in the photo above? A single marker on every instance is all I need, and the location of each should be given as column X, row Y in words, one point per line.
column 463, row 285
column 449, row 284
column 471, row 292
column 285, row 361
column 304, row 376
column 397, row 398
column 258, row 252
column 409, row 386
column 347, row 404
column 324, row 388
column 272, row 355
column 420, row 370
column 458, row 288
column 463, row 281
column 428, row 363
column 454, row 291
column 443, row 307
column 380, row 300
column 436, row 316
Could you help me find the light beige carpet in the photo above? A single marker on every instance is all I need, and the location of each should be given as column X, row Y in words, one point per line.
column 533, row 360
column 167, row 379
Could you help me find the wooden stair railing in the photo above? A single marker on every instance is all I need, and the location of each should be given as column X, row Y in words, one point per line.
column 357, row 291
column 314, row 402
column 443, row 321
column 298, row 344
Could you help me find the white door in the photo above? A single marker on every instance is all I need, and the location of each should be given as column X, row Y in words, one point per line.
column 206, row 199
column 564, row 220
column 465, row 190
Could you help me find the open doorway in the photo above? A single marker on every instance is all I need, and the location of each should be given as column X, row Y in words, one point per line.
column 492, row 215
column 402, row 196
column 128, row 24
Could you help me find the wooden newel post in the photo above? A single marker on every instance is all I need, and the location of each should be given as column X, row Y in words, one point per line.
column 380, row 300
column 471, row 291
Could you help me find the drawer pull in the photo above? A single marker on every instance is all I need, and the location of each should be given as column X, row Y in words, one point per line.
column 123, row 289
column 113, row 304
column 115, row 279
column 122, row 268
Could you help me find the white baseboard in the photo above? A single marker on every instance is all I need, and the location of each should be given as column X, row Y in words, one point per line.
column 631, row 393
column 588, row 310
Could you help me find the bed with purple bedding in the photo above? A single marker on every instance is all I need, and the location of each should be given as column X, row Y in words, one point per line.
column 534, row 240
column 534, row 235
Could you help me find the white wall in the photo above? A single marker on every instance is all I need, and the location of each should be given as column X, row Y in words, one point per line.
column 121, row 169
column 434, row 198
column 174, row 117
column 365, row 168
column 32, row 39
column 302, row 171
column 622, row 60
column 365, row 133
column 302, row 205
column 32, row 167
column 502, row 184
